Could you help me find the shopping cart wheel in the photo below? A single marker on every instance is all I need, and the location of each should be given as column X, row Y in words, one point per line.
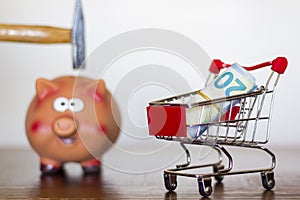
column 204, row 185
column 170, row 182
column 216, row 169
column 268, row 180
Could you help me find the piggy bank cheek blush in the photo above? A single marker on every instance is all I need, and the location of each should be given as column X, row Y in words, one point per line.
column 35, row 127
column 38, row 127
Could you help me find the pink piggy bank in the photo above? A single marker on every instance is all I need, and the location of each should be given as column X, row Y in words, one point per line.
column 71, row 119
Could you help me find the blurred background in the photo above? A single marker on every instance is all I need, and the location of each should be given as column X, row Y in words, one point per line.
column 247, row 32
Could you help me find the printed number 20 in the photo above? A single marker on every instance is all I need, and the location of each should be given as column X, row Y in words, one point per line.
column 228, row 77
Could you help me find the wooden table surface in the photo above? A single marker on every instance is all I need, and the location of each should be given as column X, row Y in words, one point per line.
column 21, row 179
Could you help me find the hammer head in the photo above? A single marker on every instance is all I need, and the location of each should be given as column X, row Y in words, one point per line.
column 78, row 38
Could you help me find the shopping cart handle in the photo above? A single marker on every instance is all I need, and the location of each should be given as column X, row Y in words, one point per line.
column 279, row 65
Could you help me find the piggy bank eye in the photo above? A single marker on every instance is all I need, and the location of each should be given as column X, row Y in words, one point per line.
column 76, row 105
column 61, row 104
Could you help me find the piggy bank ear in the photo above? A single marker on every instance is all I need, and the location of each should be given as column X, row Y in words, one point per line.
column 97, row 89
column 44, row 87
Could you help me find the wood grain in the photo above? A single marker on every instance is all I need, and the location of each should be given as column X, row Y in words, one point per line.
column 20, row 178
column 34, row 34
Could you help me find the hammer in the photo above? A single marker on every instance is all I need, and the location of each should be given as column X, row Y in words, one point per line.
column 51, row 35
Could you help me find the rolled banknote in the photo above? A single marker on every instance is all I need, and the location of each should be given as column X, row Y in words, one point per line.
column 232, row 81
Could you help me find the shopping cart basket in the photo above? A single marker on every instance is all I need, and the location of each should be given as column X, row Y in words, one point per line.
column 245, row 124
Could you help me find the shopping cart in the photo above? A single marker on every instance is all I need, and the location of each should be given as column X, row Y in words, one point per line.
column 245, row 124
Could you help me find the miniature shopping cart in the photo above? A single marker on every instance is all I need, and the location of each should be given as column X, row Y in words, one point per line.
column 245, row 124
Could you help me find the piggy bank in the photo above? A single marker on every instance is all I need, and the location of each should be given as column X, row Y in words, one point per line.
column 71, row 119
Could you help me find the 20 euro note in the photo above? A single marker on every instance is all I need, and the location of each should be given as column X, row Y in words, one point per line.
column 233, row 81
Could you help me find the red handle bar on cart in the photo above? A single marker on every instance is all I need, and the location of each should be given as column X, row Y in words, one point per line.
column 278, row 65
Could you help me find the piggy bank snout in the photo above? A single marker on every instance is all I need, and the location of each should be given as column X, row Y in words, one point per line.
column 64, row 127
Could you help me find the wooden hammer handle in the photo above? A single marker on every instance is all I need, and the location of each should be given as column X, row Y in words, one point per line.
column 34, row 34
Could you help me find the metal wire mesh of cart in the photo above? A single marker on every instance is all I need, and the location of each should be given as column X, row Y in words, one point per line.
column 247, row 115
